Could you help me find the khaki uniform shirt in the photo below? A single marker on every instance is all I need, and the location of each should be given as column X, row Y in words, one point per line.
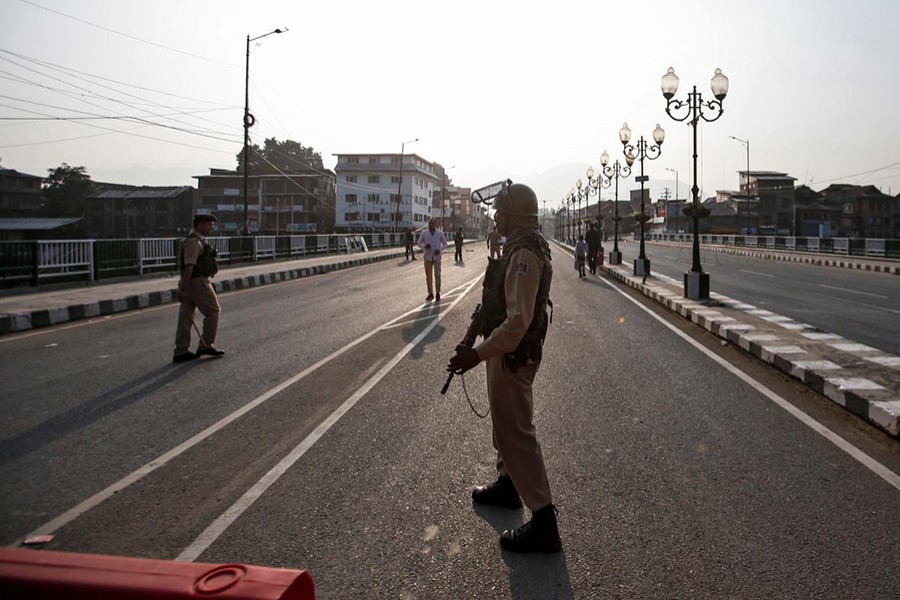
column 192, row 248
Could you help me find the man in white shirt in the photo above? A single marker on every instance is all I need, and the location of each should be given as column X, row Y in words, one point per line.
column 433, row 242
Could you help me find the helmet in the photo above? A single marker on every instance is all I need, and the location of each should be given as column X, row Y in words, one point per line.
column 517, row 199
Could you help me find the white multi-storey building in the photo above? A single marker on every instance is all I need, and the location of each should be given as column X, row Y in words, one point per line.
column 368, row 187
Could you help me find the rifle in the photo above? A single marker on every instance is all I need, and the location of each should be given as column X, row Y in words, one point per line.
column 469, row 339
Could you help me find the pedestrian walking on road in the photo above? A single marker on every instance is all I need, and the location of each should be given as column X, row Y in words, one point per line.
column 580, row 255
column 458, row 242
column 434, row 242
column 195, row 291
column 514, row 304
column 594, row 240
column 493, row 243
column 408, row 243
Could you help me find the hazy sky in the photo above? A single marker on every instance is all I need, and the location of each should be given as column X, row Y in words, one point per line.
column 530, row 90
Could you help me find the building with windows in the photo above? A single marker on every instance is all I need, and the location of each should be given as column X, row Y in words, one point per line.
column 277, row 203
column 20, row 195
column 127, row 211
column 375, row 192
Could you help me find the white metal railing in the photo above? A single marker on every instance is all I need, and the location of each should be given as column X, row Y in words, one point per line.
column 790, row 243
column 156, row 252
column 264, row 246
column 770, row 241
column 812, row 244
column 751, row 240
column 841, row 246
column 298, row 244
column 66, row 257
column 875, row 247
column 223, row 254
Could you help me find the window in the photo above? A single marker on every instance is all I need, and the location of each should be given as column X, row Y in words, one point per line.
column 374, row 178
column 373, row 160
column 350, row 179
column 350, row 198
column 373, row 198
column 351, row 216
column 353, row 160
column 395, row 179
column 395, row 159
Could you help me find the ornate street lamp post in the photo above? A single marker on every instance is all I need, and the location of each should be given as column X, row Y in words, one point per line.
column 594, row 188
column 615, row 171
column 249, row 121
column 696, row 282
column 640, row 151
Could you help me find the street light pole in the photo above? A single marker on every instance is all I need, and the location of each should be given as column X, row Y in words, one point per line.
column 696, row 282
column 747, row 191
column 400, row 184
column 616, row 171
column 249, row 120
column 644, row 151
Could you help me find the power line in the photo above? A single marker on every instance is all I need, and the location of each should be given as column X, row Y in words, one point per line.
column 127, row 35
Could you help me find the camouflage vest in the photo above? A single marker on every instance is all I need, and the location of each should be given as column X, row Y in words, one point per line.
column 493, row 299
column 207, row 263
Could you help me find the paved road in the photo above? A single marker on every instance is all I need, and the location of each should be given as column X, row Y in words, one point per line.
column 676, row 472
column 859, row 305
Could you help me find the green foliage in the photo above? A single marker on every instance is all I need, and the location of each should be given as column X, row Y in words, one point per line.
column 287, row 156
column 65, row 189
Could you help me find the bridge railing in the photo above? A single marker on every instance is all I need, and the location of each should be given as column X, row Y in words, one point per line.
column 862, row 247
column 40, row 261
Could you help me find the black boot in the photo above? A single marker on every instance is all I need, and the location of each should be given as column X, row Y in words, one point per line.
column 540, row 534
column 500, row 493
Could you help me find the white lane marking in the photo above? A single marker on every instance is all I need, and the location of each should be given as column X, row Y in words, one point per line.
column 76, row 511
column 834, row 287
column 873, row 465
column 756, row 273
column 218, row 527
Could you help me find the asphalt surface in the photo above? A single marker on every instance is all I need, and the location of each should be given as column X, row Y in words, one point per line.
column 675, row 476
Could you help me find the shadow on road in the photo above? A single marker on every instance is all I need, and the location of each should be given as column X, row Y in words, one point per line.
column 91, row 411
column 531, row 576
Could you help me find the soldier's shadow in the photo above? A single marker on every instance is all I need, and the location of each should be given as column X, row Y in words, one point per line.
column 418, row 323
column 531, row 576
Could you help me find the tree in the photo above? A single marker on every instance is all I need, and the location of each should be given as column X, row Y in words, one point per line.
column 287, row 156
column 66, row 189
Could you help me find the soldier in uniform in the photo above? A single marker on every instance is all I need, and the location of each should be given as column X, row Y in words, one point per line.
column 493, row 242
column 514, row 304
column 593, row 239
column 198, row 264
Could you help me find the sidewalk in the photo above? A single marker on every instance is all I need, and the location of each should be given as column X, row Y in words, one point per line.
column 862, row 379
column 20, row 312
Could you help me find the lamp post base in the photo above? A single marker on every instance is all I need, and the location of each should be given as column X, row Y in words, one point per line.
column 615, row 258
column 696, row 285
column 641, row 267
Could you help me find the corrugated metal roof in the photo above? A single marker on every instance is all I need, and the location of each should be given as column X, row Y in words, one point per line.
column 26, row 224
column 140, row 193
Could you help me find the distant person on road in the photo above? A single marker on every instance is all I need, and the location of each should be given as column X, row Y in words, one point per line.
column 515, row 298
column 458, row 242
column 594, row 241
column 434, row 242
column 408, row 243
column 198, row 266
column 493, row 242
column 580, row 255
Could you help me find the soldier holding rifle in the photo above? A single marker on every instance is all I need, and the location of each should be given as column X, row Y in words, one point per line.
column 514, row 316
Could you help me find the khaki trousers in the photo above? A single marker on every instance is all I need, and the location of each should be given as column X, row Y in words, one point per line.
column 201, row 295
column 433, row 267
column 515, row 438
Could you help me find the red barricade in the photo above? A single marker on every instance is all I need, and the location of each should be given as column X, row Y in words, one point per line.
column 40, row 574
